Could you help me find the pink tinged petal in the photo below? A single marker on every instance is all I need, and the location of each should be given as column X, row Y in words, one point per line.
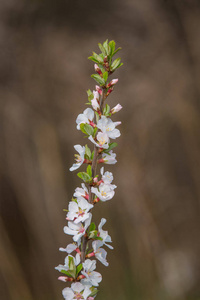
column 115, row 109
column 69, row 231
column 71, row 247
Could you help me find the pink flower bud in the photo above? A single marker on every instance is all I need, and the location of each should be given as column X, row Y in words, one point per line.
column 65, row 278
column 97, row 69
column 112, row 82
column 95, row 179
column 98, row 89
column 115, row 109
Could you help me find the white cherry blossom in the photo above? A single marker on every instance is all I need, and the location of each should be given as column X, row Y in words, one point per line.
column 77, row 291
column 105, row 192
column 65, row 267
column 86, row 117
column 99, row 252
column 107, row 177
column 110, row 158
column 91, row 277
column 107, row 126
column 104, row 234
column 81, row 191
column 79, row 210
column 78, row 157
column 77, row 230
column 102, row 140
column 69, row 249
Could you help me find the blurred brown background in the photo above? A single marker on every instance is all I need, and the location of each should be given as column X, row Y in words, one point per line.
column 44, row 73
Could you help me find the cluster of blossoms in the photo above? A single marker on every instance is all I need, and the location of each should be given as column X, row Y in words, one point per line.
column 89, row 239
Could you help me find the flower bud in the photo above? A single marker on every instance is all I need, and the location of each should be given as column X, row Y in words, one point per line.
column 109, row 91
column 65, row 278
column 98, row 89
column 113, row 82
column 98, row 70
column 115, row 109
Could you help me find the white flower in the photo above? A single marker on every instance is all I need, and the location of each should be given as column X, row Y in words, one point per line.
column 105, row 192
column 100, row 253
column 102, row 140
column 110, row 158
column 81, row 192
column 91, row 277
column 107, row 177
column 79, row 210
column 69, row 249
column 104, row 234
column 107, row 126
column 77, row 291
column 115, row 109
column 95, row 101
column 78, row 157
column 77, row 230
column 66, row 266
column 86, row 117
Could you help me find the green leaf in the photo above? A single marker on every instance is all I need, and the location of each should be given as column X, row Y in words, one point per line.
column 97, row 116
column 102, row 49
column 79, row 268
column 116, row 51
column 92, row 226
column 112, row 47
column 86, row 128
column 98, row 79
column 93, row 59
column 106, row 47
column 87, row 152
column 94, row 292
column 84, row 176
column 71, row 263
column 111, row 146
column 97, row 58
column 105, row 76
column 90, row 95
column 66, row 273
column 106, row 110
column 95, row 131
column 89, row 170
column 115, row 64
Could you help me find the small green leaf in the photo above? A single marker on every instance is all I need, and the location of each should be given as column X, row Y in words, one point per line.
column 105, row 76
column 86, row 128
column 106, row 110
column 93, row 59
column 94, row 292
column 111, row 146
column 116, row 64
column 89, row 170
column 84, row 176
column 97, row 116
column 90, row 95
column 79, row 268
column 102, row 49
column 92, row 226
column 66, row 273
column 97, row 57
column 106, row 47
column 95, row 131
column 92, row 155
column 116, row 51
column 87, row 152
column 71, row 263
column 112, row 47
column 98, row 79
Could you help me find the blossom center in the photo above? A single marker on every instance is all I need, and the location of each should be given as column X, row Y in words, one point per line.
column 78, row 296
column 103, row 193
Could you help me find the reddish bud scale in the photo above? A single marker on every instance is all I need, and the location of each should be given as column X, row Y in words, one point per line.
column 109, row 91
column 101, row 160
column 87, row 161
column 90, row 255
column 78, row 251
column 92, row 124
column 65, row 278
column 80, row 277
column 96, row 200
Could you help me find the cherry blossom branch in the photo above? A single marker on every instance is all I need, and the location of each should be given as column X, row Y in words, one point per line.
column 88, row 240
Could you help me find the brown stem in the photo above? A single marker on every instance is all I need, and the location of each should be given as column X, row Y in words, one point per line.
column 94, row 166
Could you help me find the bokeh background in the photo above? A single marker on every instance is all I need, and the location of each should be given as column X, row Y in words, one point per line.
column 154, row 219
